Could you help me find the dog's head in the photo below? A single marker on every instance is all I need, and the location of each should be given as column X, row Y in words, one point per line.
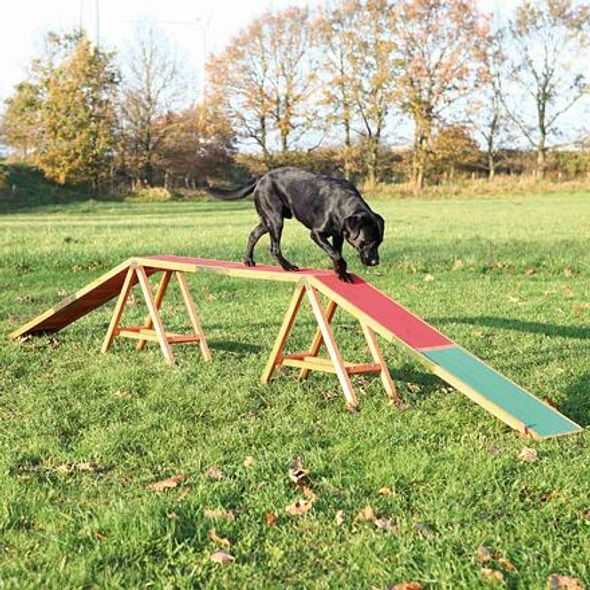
column 364, row 232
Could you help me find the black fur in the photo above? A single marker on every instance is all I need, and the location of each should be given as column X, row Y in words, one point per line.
column 331, row 208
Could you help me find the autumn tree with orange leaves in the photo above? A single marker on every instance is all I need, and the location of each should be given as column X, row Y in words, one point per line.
column 440, row 47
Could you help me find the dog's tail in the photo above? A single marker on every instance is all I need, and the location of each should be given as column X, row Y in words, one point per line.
column 234, row 195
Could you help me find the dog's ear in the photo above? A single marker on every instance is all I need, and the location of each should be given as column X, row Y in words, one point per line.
column 381, row 224
column 352, row 226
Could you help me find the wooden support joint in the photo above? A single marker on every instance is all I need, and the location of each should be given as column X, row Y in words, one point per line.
column 153, row 328
column 310, row 361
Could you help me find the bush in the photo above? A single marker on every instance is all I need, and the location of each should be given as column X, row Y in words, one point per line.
column 150, row 195
column 4, row 181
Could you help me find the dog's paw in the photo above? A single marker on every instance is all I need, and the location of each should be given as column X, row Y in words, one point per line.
column 249, row 262
column 290, row 267
column 346, row 277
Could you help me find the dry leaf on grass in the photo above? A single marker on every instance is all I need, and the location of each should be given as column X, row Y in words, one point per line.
column 408, row 586
column 386, row 491
column 298, row 508
column 558, row 582
column 167, row 484
column 528, row 455
column 483, row 553
column 221, row 541
column 490, row 575
column 82, row 466
column 457, row 264
column 309, row 493
column 385, row 524
column 121, row 394
column 568, row 272
column 529, row 272
column 339, row 518
column 297, row 475
column 222, row 557
column 367, row 513
column 219, row 513
column 214, row 473
column 428, row 278
column 248, row 461
column 210, row 297
column 271, row 518
column 506, row 564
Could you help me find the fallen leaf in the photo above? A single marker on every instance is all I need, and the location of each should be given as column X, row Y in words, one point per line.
column 457, row 264
column 167, row 484
column 530, row 272
column 408, row 586
column 219, row 513
column 558, row 582
column 580, row 307
column 428, row 278
column 297, row 475
column 367, row 513
column 210, row 297
column 490, row 575
column 528, row 455
column 222, row 557
column 271, row 518
column 121, row 394
column 385, row 524
column 339, row 518
column 173, row 516
column 386, row 491
column 82, row 466
column 483, row 553
column 506, row 564
column 100, row 536
column 222, row 541
column 568, row 272
column 298, row 508
column 214, row 473
column 248, row 461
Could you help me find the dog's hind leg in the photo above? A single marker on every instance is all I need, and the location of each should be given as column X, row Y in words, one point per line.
column 276, row 230
column 255, row 235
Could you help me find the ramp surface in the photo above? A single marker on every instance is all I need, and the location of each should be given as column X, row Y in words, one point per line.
column 485, row 386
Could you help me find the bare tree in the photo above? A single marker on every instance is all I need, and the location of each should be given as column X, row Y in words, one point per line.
column 547, row 70
column 153, row 88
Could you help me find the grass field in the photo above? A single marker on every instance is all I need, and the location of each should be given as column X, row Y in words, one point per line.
column 84, row 435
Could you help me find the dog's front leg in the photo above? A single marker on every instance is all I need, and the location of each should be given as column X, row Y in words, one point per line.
column 334, row 252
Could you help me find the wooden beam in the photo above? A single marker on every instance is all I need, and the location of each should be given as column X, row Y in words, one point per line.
column 158, row 300
column 144, row 283
column 331, row 346
column 284, row 331
column 119, row 308
column 318, row 338
column 388, row 383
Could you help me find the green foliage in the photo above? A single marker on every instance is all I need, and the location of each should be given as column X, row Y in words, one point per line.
column 4, row 178
column 83, row 435
column 150, row 195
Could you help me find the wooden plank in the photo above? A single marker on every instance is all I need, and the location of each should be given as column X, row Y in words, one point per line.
column 283, row 335
column 317, row 341
column 155, row 315
column 193, row 316
column 151, row 335
column 331, row 346
column 384, row 374
column 119, row 308
column 163, row 285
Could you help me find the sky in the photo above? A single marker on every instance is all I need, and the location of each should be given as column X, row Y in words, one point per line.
column 185, row 22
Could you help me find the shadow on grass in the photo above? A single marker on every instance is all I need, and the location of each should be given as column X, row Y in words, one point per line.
column 577, row 401
column 581, row 332
column 234, row 346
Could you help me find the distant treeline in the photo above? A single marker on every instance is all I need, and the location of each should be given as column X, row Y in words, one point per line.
column 330, row 90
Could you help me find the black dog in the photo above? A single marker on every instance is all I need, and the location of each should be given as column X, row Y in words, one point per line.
column 329, row 207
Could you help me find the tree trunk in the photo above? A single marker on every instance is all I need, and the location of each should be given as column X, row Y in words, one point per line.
column 491, row 166
column 541, row 158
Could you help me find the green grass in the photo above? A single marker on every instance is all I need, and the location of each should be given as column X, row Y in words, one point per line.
column 451, row 466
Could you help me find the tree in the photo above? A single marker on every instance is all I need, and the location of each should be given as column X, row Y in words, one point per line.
column 200, row 145
column 452, row 147
column 20, row 123
column 546, row 68
column 78, row 113
column 152, row 89
column 265, row 79
column 440, row 45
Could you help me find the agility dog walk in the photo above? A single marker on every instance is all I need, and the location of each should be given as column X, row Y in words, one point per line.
column 375, row 311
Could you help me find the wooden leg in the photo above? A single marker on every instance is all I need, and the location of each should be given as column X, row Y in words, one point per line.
column 158, row 301
column 318, row 338
column 193, row 315
column 119, row 308
column 155, row 315
column 283, row 334
column 330, row 342
column 388, row 383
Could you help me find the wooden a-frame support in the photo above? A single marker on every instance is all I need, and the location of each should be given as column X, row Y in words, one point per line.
column 310, row 361
column 153, row 328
